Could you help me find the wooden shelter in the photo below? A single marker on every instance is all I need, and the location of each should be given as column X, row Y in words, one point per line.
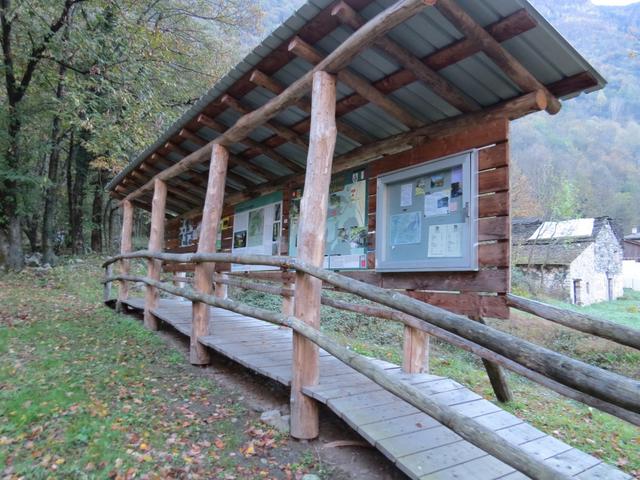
column 295, row 154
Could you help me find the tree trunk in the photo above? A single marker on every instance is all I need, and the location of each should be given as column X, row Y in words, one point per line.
column 49, row 212
column 78, row 164
column 96, row 215
column 9, row 204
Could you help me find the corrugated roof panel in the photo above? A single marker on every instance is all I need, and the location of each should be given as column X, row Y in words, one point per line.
column 542, row 50
column 271, row 165
column 293, row 152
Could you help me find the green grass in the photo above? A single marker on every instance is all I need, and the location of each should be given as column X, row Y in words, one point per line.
column 597, row 433
column 624, row 310
column 88, row 393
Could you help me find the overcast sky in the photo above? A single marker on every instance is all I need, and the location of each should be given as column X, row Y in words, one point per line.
column 614, row 2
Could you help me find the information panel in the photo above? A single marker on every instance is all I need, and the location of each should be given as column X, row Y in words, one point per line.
column 347, row 226
column 257, row 228
column 426, row 216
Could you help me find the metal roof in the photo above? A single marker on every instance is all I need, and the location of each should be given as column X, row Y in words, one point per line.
column 542, row 50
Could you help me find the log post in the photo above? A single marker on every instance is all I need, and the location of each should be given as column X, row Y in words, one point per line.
column 125, row 247
column 287, row 300
column 221, row 289
column 415, row 351
column 156, row 244
column 106, row 295
column 203, row 275
column 496, row 374
column 311, row 238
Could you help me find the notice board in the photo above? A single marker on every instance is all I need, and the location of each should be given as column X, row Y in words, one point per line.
column 257, row 229
column 426, row 216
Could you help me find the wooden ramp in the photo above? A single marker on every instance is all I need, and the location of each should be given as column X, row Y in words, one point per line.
column 420, row 446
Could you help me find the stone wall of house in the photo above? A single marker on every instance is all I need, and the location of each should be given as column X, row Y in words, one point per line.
column 554, row 282
column 598, row 263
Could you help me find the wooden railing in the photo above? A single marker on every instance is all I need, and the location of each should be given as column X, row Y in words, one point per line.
column 607, row 391
column 468, row 428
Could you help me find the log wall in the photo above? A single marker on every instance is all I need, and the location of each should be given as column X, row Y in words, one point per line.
column 480, row 293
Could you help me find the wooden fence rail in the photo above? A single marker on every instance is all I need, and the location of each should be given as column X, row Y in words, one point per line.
column 468, row 428
column 582, row 377
column 578, row 321
column 455, row 340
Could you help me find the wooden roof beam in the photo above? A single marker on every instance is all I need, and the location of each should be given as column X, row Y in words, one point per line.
column 335, row 61
column 303, row 50
column 196, row 187
column 184, row 133
column 282, row 130
column 503, row 59
column 261, row 79
column 251, row 143
column 234, row 160
column 510, row 109
column 178, row 187
column 173, row 204
column 441, row 87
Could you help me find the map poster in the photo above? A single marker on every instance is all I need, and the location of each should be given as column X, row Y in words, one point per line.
column 347, row 222
column 406, row 228
column 256, row 227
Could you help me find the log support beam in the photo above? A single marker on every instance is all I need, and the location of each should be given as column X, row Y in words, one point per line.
column 334, row 62
column 125, row 247
column 261, row 79
column 496, row 374
column 311, row 238
column 156, row 244
column 492, row 48
column 203, row 274
column 415, row 351
column 303, row 50
column 449, row 92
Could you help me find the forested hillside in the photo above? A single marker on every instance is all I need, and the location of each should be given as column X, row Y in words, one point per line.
column 86, row 85
column 586, row 159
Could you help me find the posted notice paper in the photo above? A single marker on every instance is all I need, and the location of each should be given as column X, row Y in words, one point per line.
column 436, row 203
column 445, row 240
column 406, row 195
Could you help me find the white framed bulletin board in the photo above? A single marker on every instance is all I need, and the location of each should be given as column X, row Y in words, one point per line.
column 257, row 229
column 426, row 216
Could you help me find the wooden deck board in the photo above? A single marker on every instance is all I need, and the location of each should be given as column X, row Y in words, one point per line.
column 419, row 445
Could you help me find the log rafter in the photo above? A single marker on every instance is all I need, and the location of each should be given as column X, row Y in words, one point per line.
column 443, row 88
column 362, row 86
column 335, row 61
column 261, row 79
column 252, row 144
column 500, row 56
column 281, row 130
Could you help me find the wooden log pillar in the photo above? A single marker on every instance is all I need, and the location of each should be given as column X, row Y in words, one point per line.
column 287, row 300
column 156, row 244
column 221, row 290
column 415, row 351
column 125, row 247
column 311, row 239
column 106, row 293
column 496, row 374
column 203, row 274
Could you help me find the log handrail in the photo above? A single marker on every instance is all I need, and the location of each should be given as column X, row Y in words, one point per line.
column 608, row 386
column 455, row 340
column 615, row 332
column 468, row 428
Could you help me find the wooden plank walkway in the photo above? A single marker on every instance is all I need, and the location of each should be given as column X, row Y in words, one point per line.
column 419, row 445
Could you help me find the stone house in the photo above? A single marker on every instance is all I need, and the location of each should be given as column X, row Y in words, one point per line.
column 577, row 260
